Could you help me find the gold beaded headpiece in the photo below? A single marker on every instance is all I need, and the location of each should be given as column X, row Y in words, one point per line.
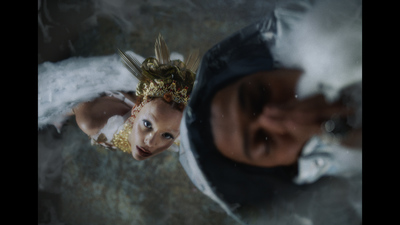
column 161, row 75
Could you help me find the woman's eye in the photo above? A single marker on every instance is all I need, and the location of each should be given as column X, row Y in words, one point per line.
column 168, row 136
column 147, row 124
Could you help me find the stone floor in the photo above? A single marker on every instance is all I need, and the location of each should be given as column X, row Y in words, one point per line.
column 99, row 27
column 80, row 184
column 84, row 184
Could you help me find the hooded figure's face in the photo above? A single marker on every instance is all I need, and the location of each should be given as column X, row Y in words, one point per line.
column 258, row 120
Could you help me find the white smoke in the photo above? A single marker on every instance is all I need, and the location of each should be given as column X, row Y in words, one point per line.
column 325, row 41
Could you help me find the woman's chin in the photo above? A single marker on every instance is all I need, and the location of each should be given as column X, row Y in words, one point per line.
column 138, row 157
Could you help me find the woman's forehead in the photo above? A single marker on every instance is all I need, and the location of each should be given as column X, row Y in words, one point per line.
column 158, row 106
column 163, row 114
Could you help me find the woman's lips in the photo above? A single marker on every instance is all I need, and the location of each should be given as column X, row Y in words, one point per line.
column 143, row 152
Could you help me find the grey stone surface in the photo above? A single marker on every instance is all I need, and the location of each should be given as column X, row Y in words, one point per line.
column 99, row 27
column 84, row 184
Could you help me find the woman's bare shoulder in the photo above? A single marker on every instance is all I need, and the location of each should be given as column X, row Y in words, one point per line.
column 92, row 116
column 130, row 95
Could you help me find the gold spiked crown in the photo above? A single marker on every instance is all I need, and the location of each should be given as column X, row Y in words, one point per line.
column 161, row 75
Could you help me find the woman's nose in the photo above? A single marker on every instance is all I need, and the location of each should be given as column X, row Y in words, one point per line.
column 150, row 139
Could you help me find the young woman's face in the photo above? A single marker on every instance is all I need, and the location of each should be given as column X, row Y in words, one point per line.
column 155, row 129
column 259, row 121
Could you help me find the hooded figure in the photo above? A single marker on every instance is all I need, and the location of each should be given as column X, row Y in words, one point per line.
column 321, row 40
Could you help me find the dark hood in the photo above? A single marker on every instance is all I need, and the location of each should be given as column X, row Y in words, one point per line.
column 227, row 182
column 243, row 53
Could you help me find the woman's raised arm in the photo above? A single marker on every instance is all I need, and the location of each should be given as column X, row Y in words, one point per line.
column 92, row 116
